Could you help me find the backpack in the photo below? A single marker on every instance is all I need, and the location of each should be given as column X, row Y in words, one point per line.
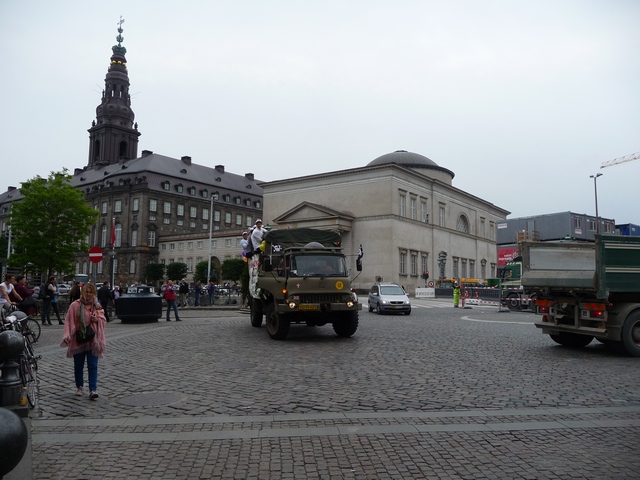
column 42, row 293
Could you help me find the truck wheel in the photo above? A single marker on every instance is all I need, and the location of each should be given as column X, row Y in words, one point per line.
column 256, row 312
column 513, row 303
column 277, row 327
column 571, row 339
column 347, row 324
column 630, row 334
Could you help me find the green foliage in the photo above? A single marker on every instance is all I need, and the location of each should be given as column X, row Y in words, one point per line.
column 231, row 269
column 49, row 225
column 176, row 271
column 201, row 272
column 154, row 272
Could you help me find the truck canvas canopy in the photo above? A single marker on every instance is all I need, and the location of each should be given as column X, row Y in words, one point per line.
column 301, row 237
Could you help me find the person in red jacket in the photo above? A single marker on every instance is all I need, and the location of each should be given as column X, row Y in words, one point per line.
column 170, row 297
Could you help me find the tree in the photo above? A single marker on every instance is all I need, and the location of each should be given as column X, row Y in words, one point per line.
column 176, row 271
column 50, row 224
column 231, row 269
column 201, row 272
column 154, row 272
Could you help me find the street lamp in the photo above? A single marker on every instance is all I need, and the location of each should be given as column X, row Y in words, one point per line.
column 595, row 190
column 210, row 239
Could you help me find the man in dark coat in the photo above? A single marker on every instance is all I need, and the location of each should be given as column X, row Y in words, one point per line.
column 104, row 297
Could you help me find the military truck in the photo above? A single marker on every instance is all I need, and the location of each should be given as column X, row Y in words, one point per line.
column 300, row 276
column 586, row 290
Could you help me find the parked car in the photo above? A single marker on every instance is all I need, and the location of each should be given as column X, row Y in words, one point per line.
column 63, row 288
column 389, row 297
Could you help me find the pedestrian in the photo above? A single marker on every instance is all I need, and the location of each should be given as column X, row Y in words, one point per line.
column 6, row 289
column 184, row 292
column 82, row 313
column 198, row 290
column 456, row 294
column 20, row 290
column 244, row 243
column 104, row 297
column 170, row 297
column 212, row 291
column 74, row 292
column 47, row 303
column 53, row 286
column 257, row 234
column 116, row 293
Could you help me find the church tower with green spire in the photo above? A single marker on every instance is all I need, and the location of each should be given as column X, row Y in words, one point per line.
column 113, row 136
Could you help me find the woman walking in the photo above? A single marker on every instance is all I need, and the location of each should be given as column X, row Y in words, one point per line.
column 84, row 315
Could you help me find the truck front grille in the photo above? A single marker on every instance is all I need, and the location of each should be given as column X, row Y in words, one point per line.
column 322, row 298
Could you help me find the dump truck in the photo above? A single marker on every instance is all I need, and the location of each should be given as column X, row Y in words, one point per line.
column 301, row 276
column 513, row 294
column 586, row 290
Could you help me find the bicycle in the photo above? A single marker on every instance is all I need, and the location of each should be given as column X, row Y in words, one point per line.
column 28, row 367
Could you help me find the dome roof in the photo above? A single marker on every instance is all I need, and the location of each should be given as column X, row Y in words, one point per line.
column 402, row 157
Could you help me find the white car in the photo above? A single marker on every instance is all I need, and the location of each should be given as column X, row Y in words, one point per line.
column 63, row 288
column 389, row 297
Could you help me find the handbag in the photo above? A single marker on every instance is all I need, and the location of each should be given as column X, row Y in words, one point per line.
column 85, row 333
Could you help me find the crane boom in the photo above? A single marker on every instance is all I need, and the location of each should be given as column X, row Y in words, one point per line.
column 616, row 161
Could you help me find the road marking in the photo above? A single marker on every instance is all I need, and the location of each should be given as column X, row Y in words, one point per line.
column 469, row 319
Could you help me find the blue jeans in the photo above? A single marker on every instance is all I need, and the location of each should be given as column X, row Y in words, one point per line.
column 172, row 304
column 211, row 293
column 92, row 366
column 197, row 301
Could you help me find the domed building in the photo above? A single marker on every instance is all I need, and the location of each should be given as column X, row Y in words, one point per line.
column 403, row 209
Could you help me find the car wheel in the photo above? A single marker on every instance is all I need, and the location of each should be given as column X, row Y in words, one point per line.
column 379, row 310
column 370, row 307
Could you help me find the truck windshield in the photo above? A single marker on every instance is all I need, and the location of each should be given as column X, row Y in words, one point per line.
column 317, row 266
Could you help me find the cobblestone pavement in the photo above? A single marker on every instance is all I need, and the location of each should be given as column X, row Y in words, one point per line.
column 444, row 393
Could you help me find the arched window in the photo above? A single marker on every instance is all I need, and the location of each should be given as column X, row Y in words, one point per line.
column 463, row 224
column 122, row 152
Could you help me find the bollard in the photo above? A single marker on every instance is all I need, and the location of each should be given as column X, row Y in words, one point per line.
column 11, row 346
column 14, row 439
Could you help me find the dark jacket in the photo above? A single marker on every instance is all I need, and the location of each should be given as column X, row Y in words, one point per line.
column 104, row 295
column 184, row 287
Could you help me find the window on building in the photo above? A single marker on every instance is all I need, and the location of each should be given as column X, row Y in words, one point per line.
column 463, row 224
column 189, row 245
column 192, row 224
column 204, row 193
column 152, row 238
column 205, row 226
column 180, row 222
column 227, row 242
column 472, row 268
column 85, row 267
column 103, row 236
column 577, row 223
column 99, row 267
column 135, row 205
column 492, row 231
column 118, row 242
column 163, row 246
column 192, row 190
column 464, row 268
column 214, row 242
column 180, row 245
column 172, row 246
column 248, row 221
column 423, row 264
column 237, row 200
column 258, row 204
column 414, row 264
column 403, row 263
column 193, row 212
column 205, row 214
column 424, row 216
column 442, row 215
column 132, row 266
column 179, row 188
column 247, row 202
column 592, row 225
column 180, row 210
column 166, row 220
column 226, row 197
column 162, row 261
column 483, row 269
column 227, row 217
column 216, row 215
column 115, row 266
column 153, row 205
column 412, row 209
column 166, row 185
column 607, row 227
column 189, row 264
column 117, row 206
column 167, row 207
column 483, row 234
column 403, row 205
column 200, row 244
column 456, row 272
column 238, row 219
column 105, row 207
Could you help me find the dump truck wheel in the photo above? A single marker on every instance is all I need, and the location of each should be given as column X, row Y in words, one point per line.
column 346, row 325
column 630, row 334
column 277, row 327
column 256, row 312
column 572, row 339
column 513, row 303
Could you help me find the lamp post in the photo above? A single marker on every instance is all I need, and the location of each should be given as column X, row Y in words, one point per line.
column 210, row 239
column 595, row 191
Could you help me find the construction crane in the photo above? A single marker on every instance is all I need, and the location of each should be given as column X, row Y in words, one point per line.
column 616, row 161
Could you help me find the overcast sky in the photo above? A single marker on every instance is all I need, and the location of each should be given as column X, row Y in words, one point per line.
column 523, row 100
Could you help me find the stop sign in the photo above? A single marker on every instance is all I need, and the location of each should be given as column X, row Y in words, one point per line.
column 95, row 254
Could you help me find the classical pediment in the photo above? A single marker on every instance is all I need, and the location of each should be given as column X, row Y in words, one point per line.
column 307, row 214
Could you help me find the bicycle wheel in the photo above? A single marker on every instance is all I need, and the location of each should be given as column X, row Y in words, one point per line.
column 32, row 329
column 191, row 301
column 28, row 377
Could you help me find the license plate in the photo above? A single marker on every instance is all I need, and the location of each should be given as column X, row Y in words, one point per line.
column 307, row 307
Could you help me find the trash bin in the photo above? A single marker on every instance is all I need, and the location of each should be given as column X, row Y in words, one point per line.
column 139, row 304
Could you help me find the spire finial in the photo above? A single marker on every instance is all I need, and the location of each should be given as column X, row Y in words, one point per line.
column 119, row 48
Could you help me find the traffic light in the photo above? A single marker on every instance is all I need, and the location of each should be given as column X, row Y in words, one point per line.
column 425, row 275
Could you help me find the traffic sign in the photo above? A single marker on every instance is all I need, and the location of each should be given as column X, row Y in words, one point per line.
column 431, row 284
column 95, row 254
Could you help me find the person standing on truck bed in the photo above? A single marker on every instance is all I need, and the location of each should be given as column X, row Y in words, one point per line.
column 257, row 234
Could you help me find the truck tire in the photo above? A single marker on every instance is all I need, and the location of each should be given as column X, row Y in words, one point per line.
column 571, row 339
column 347, row 324
column 630, row 334
column 277, row 327
column 512, row 302
column 256, row 312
